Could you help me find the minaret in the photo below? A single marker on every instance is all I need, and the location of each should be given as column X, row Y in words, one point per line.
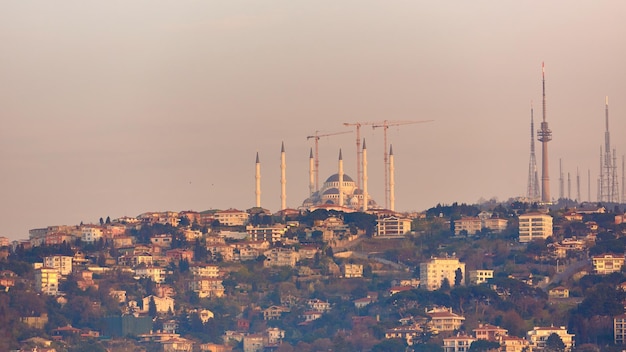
column 365, row 195
column 569, row 186
column 311, row 174
column 258, row 181
column 561, row 196
column 283, row 178
column 340, row 173
column 533, row 179
column 545, row 136
column 392, row 182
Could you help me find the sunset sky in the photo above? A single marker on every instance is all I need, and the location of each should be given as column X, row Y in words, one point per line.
column 114, row 108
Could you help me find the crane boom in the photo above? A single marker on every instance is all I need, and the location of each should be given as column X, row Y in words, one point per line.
column 316, row 137
column 385, row 125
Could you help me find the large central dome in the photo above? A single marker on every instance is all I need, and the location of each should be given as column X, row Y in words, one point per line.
column 335, row 178
column 329, row 193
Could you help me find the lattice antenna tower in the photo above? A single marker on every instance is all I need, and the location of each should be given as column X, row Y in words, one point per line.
column 532, row 193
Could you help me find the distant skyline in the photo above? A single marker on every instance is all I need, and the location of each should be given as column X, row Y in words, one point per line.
column 117, row 108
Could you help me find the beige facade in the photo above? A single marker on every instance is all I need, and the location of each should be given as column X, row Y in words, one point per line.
column 47, row 281
column 477, row 277
column 534, row 226
column 470, row 225
column 619, row 329
column 436, row 270
column 459, row 343
column 538, row 336
column 496, row 225
column 280, row 257
column 607, row 263
column 352, row 270
column 232, row 217
column 442, row 319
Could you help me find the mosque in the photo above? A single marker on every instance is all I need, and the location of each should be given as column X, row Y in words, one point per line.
column 329, row 194
column 338, row 191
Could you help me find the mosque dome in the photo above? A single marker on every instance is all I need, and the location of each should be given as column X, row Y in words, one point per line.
column 331, row 191
column 335, row 178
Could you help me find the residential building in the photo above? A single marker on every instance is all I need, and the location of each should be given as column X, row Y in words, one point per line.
column 47, row 281
column 271, row 234
column 163, row 240
column 468, row 225
column 60, row 262
column 393, row 226
column 253, row 343
column 559, row 292
column 497, row 225
column 436, row 270
column 406, row 333
column 280, row 257
column 157, row 274
column 477, row 277
column 489, row 332
column 605, row 264
column 619, row 329
column 163, row 304
column 206, row 287
column 458, row 343
column 90, row 233
column 513, row 344
column 274, row 312
column 205, row 270
column 232, row 217
column 533, row 226
column 318, row 305
column 538, row 336
column 443, row 319
column 352, row 270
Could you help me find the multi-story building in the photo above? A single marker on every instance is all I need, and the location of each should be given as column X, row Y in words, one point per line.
column 155, row 273
column 205, row 270
column 163, row 304
column 619, row 329
column 513, row 344
column 271, row 234
column 468, row 224
column 436, row 270
column 538, row 336
column 477, row 277
column 60, row 262
column 496, row 225
column 91, row 233
column 47, row 281
column 352, row 270
column 232, row 217
column 393, row 226
column 205, row 287
column 489, row 332
column 280, row 257
column 459, row 343
column 534, row 226
column 605, row 264
column 442, row 319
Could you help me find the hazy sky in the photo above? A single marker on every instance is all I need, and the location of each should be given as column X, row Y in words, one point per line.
column 113, row 108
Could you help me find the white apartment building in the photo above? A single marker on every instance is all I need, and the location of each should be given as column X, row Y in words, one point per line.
column 352, row 270
column 619, row 329
column 47, row 281
column 538, row 336
column 205, row 287
column 534, row 226
column 205, row 270
column 434, row 271
column 60, row 262
column 280, row 257
column 460, row 343
column 157, row 274
column 393, row 226
column 272, row 234
column 496, row 225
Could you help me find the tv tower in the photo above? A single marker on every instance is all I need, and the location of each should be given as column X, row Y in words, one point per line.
column 533, row 180
column 545, row 136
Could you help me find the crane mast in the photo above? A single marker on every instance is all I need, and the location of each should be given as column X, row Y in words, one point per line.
column 385, row 126
column 316, row 137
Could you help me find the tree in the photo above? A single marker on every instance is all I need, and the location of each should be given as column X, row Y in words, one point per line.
column 458, row 277
column 101, row 221
column 152, row 308
column 445, row 284
column 108, row 220
column 484, row 345
column 554, row 343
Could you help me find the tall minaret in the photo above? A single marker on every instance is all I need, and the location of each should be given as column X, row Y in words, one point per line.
column 545, row 136
column 258, row 181
column 311, row 174
column 340, row 173
column 533, row 179
column 392, row 182
column 365, row 195
column 283, row 178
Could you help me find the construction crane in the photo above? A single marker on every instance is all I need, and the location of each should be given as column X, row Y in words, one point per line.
column 316, row 137
column 385, row 125
column 359, row 152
